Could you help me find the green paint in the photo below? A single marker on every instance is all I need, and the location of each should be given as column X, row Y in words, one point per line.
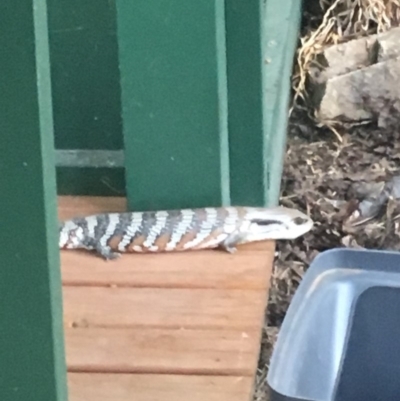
column 85, row 80
column 196, row 79
column 280, row 36
column 173, row 102
column 261, row 39
column 32, row 365
column 223, row 102
column 91, row 181
column 246, row 136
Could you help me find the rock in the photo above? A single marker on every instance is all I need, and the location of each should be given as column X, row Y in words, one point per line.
column 347, row 57
column 360, row 81
column 388, row 44
column 362, row 95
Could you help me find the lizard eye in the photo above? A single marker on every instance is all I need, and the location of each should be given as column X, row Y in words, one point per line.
column 299, row 221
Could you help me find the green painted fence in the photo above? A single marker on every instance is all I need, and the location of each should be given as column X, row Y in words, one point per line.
column 32, row 365
column 86, row 94
column 175, row 104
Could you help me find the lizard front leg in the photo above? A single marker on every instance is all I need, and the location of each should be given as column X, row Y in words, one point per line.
column 106, row 252
column 230, row 242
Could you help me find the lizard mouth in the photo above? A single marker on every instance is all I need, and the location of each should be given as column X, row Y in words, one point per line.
column 266, row 222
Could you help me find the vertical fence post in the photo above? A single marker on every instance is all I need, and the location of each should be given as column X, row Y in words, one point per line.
column 86, row 92
column 32, row 365
column 261, row 39
column 205, row 92
column 245, row 101
column 174, row 106
column 280, row 38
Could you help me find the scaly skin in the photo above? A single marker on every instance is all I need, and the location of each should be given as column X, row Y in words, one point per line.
column 111, row 234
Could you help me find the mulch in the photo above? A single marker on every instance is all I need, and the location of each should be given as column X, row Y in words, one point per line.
column 330, row 173
column 324, row 175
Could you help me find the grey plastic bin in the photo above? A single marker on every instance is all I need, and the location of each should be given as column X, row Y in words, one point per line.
column 340, row 339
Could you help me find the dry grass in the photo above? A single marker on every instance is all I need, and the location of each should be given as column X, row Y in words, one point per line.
column 341, row 21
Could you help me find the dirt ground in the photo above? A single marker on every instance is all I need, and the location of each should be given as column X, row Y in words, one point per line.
column 330, row 174
column 320, row 171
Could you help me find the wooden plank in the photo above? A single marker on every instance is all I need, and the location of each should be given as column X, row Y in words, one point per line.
column 128, row 387
column 201, row 352
column 163, row 308
column 153, row 327
column 249, row 268
column 202, row 269
column 32, row 363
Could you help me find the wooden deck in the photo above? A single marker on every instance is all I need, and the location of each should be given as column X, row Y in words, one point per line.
column 170, row 327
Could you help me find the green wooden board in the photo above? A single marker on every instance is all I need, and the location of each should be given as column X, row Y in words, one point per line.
column 86, row 87
column 281, row 21
column 174, row 103
column 245, row 106
column 261, row 42
column 197, row 93
column 32, row 365
column 91, row 181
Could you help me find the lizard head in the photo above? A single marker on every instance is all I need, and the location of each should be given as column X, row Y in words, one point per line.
column 71, row 235
column 275, row 223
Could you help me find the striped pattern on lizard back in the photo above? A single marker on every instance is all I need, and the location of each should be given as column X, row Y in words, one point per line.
column 156, row 231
